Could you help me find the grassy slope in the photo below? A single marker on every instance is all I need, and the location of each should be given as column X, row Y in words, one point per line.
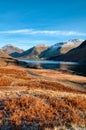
column 41, row 98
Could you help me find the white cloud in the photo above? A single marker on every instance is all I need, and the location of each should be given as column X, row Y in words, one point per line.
column 14, row 31
column 44, row 32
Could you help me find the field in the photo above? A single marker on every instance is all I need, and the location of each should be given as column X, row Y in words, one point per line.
column 38, row 99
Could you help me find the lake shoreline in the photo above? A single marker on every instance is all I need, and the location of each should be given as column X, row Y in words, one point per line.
column 67, row 67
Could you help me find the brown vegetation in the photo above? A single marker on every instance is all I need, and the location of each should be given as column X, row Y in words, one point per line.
column 37, row 102
column 45, row 111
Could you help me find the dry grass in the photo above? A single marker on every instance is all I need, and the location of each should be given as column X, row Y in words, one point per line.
column 13, row 72
column 9, row 76
column 45, row 111
column 16, row 77
column 41, row 104
column 71, row 81
column 5, row 81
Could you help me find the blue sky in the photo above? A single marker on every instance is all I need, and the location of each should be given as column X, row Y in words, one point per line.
column 25, row 23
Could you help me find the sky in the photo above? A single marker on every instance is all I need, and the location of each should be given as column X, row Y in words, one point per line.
column 26, row 23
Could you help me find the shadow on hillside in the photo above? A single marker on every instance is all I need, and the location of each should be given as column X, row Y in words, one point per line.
column 47, row 53
column 79, row 69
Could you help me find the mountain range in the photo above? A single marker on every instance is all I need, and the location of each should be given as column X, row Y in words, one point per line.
column 32, row 53
column 72, row 50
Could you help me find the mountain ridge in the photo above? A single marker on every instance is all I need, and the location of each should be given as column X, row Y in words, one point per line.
column 33, row 53
column 43, row 52
column 77, row 54
column 9, row 48
column 60, row 48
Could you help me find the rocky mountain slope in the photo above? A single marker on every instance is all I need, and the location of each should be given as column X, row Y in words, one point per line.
column 76, row 54
column 11, row 49
column 60, row 48
column 33, row 53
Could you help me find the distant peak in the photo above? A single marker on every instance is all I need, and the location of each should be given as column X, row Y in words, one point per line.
column 9, row 48
column 76, row 40
column 41, row 45
column 8, row 45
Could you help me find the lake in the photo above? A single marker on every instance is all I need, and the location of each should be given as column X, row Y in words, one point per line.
column 73, row 67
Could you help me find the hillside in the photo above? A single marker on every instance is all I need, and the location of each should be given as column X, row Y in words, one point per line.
column 3, row 54
column 11, row 49
column 76, row 54
column 33, row 53
column 41, row 100
column 60, row 48
column 6, row 60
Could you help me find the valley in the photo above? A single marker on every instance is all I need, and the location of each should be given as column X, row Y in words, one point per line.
column 39, row 98
column 42, row 64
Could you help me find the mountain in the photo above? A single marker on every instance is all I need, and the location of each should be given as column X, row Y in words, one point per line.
column 15, row 54
column 11, row 49
column 33, row 53
column 60, row 48
column 56, row 51
column 77, row 54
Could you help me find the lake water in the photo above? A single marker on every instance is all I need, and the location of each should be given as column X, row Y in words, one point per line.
column 73, row 67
